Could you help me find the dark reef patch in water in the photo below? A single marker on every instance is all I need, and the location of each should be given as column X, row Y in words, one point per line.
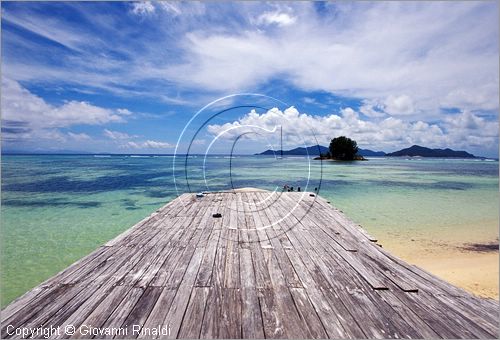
column 130, row 204
column 50, row 203
column 158, row 193
column 101, row 184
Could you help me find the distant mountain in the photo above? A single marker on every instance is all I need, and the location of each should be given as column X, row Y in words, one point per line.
column 370, row 153
column 316, row 150
column 417, row 150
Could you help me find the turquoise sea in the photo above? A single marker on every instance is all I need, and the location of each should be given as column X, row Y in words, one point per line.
column 58, row 208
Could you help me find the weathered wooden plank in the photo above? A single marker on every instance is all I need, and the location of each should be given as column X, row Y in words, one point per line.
column 230, row 320
column 120, row 314
column 49, row 303
column 308, row 313
column 271, row 316
column 158, row 313
column 139, row 269
column 232, row 266
column 295, row 326
column 192, row 321
column 99, row 314
column 242, row 216
column 338, row 322
column 178, row 273
column 150, row 273
column 262, row 276
column 81, row 306
column 287, row 269
column 24, row 302
column 194, row 230
column 407, row 314
column 210, row 327
column 375, row 281
column 139, row 314
column 55, row 314
column 258, row 223
column 204, row 277
column 179, row 305
column 252, row 326
column 72, row 277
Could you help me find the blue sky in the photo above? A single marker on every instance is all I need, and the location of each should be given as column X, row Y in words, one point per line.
column 128, row 77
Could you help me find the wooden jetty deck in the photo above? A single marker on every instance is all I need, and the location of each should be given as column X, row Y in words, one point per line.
column 285, row 265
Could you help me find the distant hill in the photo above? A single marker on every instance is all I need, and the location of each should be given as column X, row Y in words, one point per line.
column 316, row 150
column 417, row 150
column 370, row 153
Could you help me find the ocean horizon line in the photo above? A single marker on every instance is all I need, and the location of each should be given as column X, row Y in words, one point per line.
column 479, row 158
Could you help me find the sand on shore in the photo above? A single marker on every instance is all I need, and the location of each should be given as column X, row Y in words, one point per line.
column 474, row 271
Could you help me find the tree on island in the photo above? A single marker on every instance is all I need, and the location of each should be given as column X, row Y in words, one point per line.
column 343, row 148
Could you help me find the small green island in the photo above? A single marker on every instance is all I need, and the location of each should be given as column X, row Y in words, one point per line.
column 342, row 149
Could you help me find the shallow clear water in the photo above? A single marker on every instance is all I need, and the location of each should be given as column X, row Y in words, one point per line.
column 56, row 209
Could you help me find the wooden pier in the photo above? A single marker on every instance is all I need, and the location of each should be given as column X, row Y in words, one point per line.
column 282, row 265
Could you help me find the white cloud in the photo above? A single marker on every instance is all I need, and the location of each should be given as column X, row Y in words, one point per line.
column 124, row 112
column 374, row 52
column 386, row 134
column 441, row 54
column 116, row 134
column 467, row 125
column 149, row 144
column 199, row 142
column 277, row 18
column 399, row 105
column 143, row 8
column 372, row 110
column 484, row 98
column 171, row 7
column 27, row 116
column 313, row 101
column 79, row 136
column 50, row 29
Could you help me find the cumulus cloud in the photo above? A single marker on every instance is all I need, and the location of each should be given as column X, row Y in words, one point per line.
column 390, row 133
column 399, row 105
column 33, row 117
